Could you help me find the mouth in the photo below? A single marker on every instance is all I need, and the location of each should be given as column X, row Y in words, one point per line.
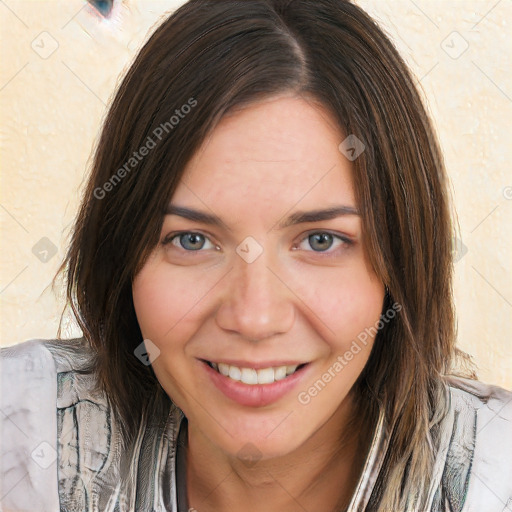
column 256, row 384
column 255, row 376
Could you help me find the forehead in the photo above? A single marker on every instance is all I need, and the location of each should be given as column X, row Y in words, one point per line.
column 279, row 151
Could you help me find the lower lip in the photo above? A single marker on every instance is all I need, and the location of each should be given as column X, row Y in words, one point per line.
column 257, row 395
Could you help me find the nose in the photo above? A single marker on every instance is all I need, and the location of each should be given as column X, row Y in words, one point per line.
column 256, row 303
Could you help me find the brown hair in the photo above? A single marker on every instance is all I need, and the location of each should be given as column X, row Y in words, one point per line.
column 215, row 55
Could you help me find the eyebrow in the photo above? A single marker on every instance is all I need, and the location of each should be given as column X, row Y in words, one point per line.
column 299, row 217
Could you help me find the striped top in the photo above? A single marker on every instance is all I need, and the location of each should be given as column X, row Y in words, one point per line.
column 61, row 449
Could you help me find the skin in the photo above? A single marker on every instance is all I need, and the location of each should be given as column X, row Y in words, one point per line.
column 300, row 299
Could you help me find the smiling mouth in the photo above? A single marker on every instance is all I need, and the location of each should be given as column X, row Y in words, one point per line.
column 253, row 376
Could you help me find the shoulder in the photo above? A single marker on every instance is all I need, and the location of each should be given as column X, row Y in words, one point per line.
column 38, row 356
column 478, row 391
column 488, row 409
column 28, row 444
column 65, row 368
column 476, row 447
column 42, row 381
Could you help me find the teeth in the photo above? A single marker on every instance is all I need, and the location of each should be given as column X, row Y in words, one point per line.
column 290, row 369
column 252, row 376
column 224, row 369
column 266, row 376
column 248, row 376
column 235, row 373
column 280, row 373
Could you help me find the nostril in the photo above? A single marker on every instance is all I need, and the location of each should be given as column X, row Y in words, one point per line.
column 104, row 7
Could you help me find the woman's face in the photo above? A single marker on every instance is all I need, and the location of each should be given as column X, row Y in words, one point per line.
column 264, row 288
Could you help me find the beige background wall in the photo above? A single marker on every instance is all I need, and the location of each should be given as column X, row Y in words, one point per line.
column 60, row 64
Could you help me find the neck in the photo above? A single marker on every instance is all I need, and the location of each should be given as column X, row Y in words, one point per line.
column 313, row 477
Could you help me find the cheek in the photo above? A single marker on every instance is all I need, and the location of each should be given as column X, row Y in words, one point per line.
column 151, row 300
column 352, row 307
column 164, row 312
column 163, row 301
column 344, row 303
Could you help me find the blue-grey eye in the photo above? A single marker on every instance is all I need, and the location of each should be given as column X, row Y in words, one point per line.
column 322, row 241
column 192, row 241
column 104, row 7
column 189, row 241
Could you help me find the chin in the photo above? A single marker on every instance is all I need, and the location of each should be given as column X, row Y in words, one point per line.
column 260, row 439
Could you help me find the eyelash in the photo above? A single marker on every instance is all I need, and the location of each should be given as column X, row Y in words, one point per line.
column 346, row 242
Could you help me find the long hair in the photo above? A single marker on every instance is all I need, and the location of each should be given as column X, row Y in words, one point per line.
column 211, row 56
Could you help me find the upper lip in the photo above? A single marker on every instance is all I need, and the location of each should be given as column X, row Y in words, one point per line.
column 256, row 364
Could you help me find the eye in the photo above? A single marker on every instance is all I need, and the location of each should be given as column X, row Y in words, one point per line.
column 190, row 241
column 322, row 241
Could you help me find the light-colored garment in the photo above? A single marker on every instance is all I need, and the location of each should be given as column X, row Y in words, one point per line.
column 61, row 448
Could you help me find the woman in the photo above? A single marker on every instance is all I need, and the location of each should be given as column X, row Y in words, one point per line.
column 262, row 270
